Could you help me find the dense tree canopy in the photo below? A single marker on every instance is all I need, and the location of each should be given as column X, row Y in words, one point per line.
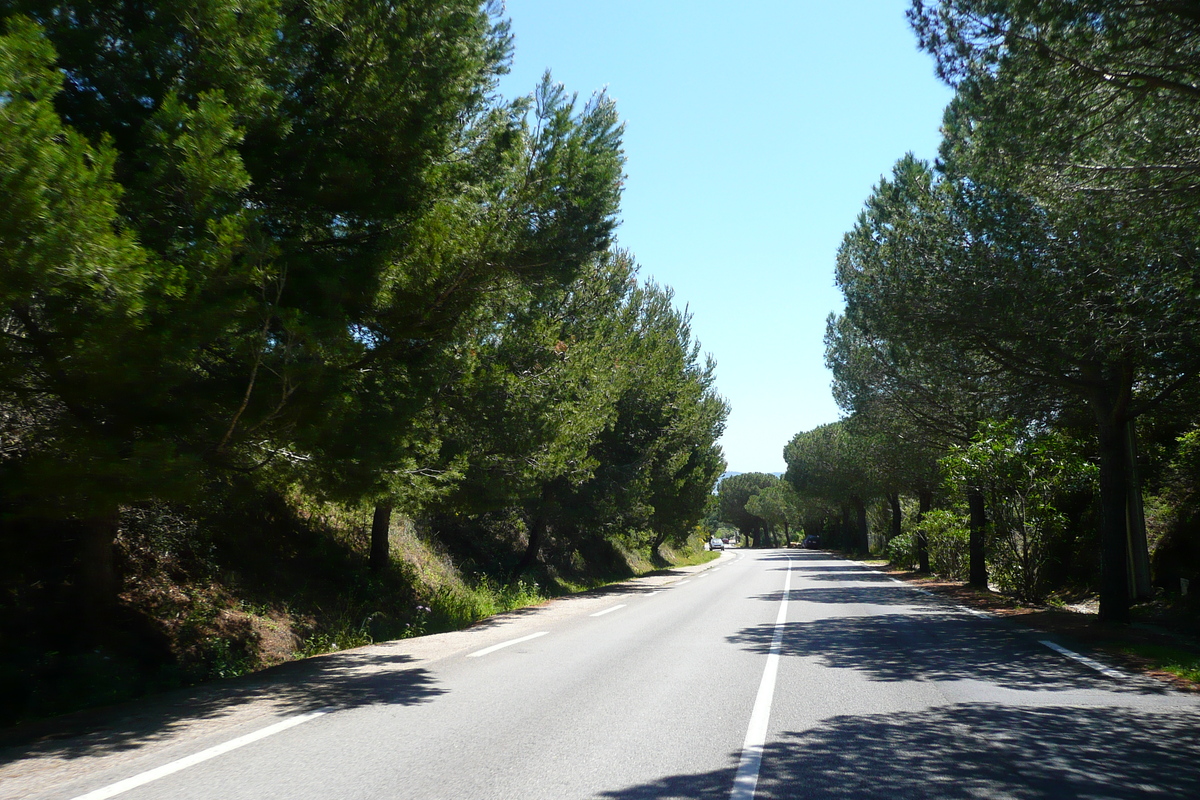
column 308, row 246
column 1098, row 96
column 1044, row 270
column 734, row 493
column 833, row 464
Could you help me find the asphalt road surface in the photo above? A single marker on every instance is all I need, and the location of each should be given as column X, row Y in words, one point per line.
column 767, row 674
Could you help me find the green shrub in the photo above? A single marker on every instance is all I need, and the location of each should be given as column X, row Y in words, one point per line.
column 1024, row 474
column 948, row 540
column 901, row 551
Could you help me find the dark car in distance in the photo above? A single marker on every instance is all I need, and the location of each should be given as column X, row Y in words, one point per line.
column 811, row 542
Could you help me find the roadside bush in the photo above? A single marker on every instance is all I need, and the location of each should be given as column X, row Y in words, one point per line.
column 901, row 551
column 1018, row 551
column 1024, row 475
column 948, row 538
column 1174, row 519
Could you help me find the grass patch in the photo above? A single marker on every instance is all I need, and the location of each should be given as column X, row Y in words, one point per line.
column 693, row 558
column 1176, row 661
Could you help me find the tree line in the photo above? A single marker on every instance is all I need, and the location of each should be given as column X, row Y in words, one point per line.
column 1022, row 315
column 308, row 247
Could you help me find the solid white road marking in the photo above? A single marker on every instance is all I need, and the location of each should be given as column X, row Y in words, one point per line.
column 114, row 789
column 1087, row 662
column 606, row 611
column 746, row 779
column 510, row 642
column 976, row 612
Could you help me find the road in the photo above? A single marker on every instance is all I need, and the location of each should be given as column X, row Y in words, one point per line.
column 768, row 674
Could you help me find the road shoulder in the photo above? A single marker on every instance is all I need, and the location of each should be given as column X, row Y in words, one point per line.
column 1112, row 643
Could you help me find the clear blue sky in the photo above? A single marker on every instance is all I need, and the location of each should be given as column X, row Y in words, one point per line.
column 754, row 132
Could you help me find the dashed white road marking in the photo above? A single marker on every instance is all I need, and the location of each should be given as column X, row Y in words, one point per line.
column 114, row 789
column 681, row 583
column 652, row 593
column 1106, row 671
column 502, row 645
column 702, row 575
column 607, row 610
column 976, row 612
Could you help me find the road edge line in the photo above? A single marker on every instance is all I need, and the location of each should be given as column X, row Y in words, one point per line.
column 141, row 779
column 1104, row 670
column 502, row 645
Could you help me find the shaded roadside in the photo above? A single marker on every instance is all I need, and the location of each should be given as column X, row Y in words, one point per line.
column 1116, row 644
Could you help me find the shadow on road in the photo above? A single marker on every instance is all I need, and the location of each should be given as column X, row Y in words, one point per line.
column 889, row 595
column 341, row 680
column 970, row 751
column 810, row 561
column 817, row 573
column 930, row 647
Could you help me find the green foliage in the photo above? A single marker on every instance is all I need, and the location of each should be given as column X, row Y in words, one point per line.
column 1177, row 551
column 588, row 412
column 306, row 250
column 73, row 285
column 1033, row 298
column 948, row 539
column 901, row 551
column 1023, row 475
column 1065, row 214
column 1182, row 663
column 778, row 505
column 1095, row 96
column 455, row 607
column 833, row 466
column 831, row 462
column 733, row 496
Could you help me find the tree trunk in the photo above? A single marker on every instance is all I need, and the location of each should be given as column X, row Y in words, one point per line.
column 862, row 534
column 381, row 524
column 978, row 543
column 97, row 576
column 657, row 543
column 897, row 514
column 1114, row 520
column 537, row 532
column 925, row 502
column 1139, row 551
